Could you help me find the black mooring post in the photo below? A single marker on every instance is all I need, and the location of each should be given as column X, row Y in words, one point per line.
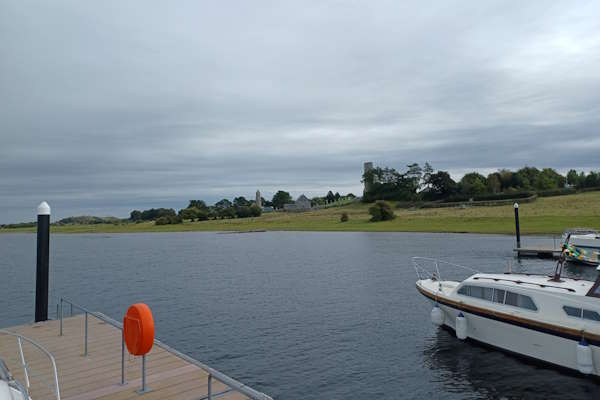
column 517, row 225
column 43, row 261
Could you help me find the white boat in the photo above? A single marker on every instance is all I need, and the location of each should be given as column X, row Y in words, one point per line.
column 582, row 245
column 548, row 318
column 10, row 388
column 13, row 389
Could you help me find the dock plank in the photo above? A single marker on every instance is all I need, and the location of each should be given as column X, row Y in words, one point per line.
column 99, row 374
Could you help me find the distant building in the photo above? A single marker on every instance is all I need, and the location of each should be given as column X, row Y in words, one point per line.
column 302, row 204
column 258, row 199
column 267, row 209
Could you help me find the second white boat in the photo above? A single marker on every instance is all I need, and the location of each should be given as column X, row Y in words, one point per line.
column 549, row 318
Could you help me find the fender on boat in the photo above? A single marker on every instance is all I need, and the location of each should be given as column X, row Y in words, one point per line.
column 461, row 326
column 437, row 315
column 585, row 363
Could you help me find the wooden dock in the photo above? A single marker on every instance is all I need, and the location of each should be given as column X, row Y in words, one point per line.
column 170, row 375
column 538, row 251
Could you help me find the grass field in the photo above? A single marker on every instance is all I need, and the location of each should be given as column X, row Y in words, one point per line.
column 548, row 215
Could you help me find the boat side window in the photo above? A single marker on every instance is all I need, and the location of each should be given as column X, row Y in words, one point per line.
column 520, row 300
column 572, row 311
column 526, row 302
column 481, row 292
column 499, row 296
column 581, row 313
column 589, row 314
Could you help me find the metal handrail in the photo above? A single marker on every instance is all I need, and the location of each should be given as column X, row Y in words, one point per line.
column 419, row 269
column 20, row 339
column 212, row 373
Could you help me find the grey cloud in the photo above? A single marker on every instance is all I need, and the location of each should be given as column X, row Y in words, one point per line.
column 116, row 106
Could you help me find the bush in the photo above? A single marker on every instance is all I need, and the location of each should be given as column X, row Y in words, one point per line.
column 169, row 220
column 381, row 211
column 162, row 221
column 242, row 211
column 255, row 211
column 344, row 217
column 202, row 215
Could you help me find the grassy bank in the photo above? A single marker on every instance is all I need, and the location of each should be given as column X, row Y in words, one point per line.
column 549, row 215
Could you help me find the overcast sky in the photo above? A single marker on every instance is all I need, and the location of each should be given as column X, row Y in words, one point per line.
column 108, row 106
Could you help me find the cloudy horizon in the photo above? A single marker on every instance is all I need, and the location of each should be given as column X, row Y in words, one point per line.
column 133, row 105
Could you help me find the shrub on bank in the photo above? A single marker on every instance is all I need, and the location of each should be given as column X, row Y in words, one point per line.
column 344, row 217
column 169, row 220
column 162, row 221
column 381, row 211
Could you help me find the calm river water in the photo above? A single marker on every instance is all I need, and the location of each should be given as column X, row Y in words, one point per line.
column 298, row 315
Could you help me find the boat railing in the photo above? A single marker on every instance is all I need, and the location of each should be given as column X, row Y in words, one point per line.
column 27, row 371
column 212, row 373
column 429, row 268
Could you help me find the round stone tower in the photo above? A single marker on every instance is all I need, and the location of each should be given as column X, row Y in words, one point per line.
column 258, row 199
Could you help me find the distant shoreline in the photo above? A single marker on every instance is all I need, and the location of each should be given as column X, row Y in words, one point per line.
column 545, row 216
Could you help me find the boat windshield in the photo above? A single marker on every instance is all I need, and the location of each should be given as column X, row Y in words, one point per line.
column 595, row 290
column 580, row 231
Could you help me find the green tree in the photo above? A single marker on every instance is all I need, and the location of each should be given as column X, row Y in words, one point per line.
column 427, row 172
column 155, row 213
column 592, row 179
column 389, row 184
column 280, row 198
column 221, row 204
column 202, row 215
column 190, row 213
column 228, row 212
column 255, row 211
column 318, row 201
column 330, row 197
column 572, row 178
column 162, row 221
column 549, row 179
column 472, row 183
column 381, row 211
column 415, row 172
column 493, row 183
column 198, row 204
column 440, row 185
column 241, row 202
column 265, row 203
column 136, row 215
column 242, row 211
column 506, row 178
column 527, row 177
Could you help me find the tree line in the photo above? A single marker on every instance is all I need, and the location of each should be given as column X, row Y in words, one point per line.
column 424, row 183
column 239, row 207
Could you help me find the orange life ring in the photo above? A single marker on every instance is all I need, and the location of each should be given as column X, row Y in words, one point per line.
column 138, row 329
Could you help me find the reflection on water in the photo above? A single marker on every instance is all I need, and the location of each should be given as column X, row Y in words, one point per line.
column 467, row 366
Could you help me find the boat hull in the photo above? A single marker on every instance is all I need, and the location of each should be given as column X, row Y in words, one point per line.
column 548, row 348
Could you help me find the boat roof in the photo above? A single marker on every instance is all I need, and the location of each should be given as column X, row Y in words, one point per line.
column 580, row 231
column 572, row 286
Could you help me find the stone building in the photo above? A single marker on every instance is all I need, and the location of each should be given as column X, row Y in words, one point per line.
column 302, row 204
